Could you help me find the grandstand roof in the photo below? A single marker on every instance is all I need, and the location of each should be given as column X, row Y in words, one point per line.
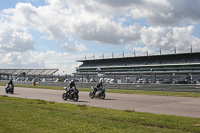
column 28, row 71
column 144, row 60
column 180, row 55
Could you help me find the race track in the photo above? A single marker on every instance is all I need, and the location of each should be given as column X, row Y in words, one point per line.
column 179, row 106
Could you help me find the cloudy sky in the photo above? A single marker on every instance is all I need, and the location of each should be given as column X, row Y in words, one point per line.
column 56, row 33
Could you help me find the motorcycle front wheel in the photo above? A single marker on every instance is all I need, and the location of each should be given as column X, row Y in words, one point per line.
column 11, row 91
column 91, row 95
column 102, row 95
column 64, row 96
column 75, row 97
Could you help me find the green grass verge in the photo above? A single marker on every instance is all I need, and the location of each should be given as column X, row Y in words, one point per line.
column 19, row 115
column 158, row 93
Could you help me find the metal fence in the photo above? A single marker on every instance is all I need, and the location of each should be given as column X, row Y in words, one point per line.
column 146, row 87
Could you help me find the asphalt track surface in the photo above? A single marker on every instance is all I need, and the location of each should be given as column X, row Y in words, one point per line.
column 179, row 106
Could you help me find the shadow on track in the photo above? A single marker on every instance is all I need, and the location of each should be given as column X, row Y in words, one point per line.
column 82, row 101
column 106, row 99
column 70, row 100
column 109, row 99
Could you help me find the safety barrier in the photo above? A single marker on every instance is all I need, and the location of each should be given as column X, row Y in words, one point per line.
column 147, row 87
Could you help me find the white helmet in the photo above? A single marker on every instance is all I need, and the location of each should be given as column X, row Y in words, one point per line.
column 100, row 80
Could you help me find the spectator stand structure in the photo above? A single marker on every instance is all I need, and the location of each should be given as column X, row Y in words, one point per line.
column 169, row 68
column 26, row 74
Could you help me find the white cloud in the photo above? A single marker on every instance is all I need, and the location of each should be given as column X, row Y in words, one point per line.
column 76, row 47
column 107, row 32
column 43, row 18
column 162, row 12
column 12, row 40
column 167, row 37
column 89, row 21
column 139, row 51
column 168, row 12
column 49, row 60
column 58, row 22
column 102, row 21
column 19, row 60
column 68, row 69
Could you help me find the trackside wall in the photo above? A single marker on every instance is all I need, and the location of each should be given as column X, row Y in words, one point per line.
column 147, row 87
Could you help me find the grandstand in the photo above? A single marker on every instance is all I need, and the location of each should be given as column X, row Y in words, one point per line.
column 26, row 73
column 185, row 64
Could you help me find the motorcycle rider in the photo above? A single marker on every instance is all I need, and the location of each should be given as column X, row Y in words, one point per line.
column 72, row 86
column 98, row 86
column 10, row 84
column 71, row 92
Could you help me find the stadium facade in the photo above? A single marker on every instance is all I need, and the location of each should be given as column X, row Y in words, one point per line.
column 179, row 67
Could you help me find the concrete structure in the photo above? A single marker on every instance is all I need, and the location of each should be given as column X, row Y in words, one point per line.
column 25, row 74
column 171, row 68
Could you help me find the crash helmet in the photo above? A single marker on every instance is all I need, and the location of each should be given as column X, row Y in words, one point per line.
column 72, row 83
column 100, row 80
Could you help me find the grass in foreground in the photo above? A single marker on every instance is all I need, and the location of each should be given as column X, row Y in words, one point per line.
column 158, row 93
column 19, row 115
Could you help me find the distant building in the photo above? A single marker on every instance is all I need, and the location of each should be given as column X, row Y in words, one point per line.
column 26, row 74
column 185, row 65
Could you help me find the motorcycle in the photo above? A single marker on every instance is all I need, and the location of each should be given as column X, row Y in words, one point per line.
column 71, row 94
column 99, row 93
column 9, row 89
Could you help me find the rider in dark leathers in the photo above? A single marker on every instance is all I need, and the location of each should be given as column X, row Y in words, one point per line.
column 11, row 84
column 72, row 86
column 10, row 87
column 98, row 86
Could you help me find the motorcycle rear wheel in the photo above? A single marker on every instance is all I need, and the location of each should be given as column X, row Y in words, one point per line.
column 75, row 97
column 102, row 95
column 64, row 96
